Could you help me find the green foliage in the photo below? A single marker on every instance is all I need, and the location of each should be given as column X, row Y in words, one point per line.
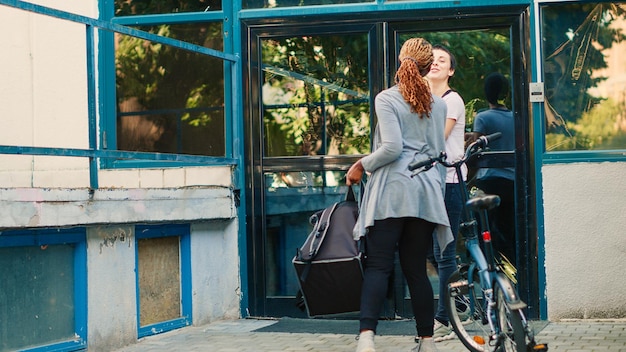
column 324, row 82
column 596, row 129
column 471, row 109
column 161, row 76
column 174, row 85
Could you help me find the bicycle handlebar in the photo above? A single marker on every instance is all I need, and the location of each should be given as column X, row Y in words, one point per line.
column 428, row 163
column 479, row 143
column 483, row 141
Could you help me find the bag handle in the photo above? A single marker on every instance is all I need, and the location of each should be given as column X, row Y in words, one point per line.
column 351, row 197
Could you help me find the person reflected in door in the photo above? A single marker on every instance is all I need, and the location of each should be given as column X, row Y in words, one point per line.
column 400, row 211
column 500, row 181
column 441, row 71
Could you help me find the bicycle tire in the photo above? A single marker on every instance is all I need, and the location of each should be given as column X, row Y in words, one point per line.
column 511, row 324
column 474, row 332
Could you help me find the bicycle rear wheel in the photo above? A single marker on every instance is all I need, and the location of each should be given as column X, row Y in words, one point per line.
column 511, row 325
column 466, row 310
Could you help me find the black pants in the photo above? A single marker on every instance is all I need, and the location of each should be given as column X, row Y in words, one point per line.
column 412, row 237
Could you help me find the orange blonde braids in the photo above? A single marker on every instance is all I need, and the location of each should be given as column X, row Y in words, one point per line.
column 416, row 56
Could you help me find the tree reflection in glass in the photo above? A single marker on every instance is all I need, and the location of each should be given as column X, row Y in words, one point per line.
column 316, row 96
column 171, row 100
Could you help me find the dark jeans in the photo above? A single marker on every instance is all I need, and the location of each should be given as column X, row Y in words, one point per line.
column 412, row 237
column 446, row 262
column 502, row 218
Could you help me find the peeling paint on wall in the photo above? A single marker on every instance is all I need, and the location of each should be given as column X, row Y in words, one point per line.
column 110, row 236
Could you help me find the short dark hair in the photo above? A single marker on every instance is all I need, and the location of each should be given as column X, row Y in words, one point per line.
column 452, row 58
column 496, row 87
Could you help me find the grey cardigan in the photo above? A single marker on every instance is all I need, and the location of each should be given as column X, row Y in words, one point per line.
column 401, row 137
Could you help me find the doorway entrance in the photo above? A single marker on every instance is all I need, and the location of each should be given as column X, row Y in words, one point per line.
column 310, row 116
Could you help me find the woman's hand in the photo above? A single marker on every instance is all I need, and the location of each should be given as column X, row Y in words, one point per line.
column 355, row 173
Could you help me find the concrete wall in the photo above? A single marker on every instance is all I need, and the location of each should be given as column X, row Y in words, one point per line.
column 585, row 218
column 112, row 288
column 216, row 285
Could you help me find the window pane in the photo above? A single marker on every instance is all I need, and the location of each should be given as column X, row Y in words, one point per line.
column 171, row 100
column 148, row 7
column 256, row 4
column 159, row 279
column 36, row 295
column 316, row 96
column 584, row 75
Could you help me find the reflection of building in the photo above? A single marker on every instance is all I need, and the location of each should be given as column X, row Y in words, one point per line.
column 95, row 249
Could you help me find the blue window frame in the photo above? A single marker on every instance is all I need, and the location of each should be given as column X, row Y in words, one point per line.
column 159, row 97
column 163, row 267
column 44, row 290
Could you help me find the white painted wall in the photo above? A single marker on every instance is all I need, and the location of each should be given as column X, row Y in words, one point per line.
column 216, row 274
column 44, row 80
column 112, row 289
column 78, row 7
column 585, row 222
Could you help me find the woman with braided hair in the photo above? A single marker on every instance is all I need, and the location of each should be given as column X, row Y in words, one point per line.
column 398, row 210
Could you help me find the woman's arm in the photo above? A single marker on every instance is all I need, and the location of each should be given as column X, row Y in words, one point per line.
column 389, row 133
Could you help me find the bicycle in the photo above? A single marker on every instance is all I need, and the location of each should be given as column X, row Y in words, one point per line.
column 496, row 321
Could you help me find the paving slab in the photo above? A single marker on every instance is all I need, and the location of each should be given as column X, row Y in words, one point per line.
column 242, row 335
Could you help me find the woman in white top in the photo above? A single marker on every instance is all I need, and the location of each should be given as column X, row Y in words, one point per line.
column 442, row 69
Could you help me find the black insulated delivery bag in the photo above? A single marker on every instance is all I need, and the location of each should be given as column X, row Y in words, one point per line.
column 329, row 265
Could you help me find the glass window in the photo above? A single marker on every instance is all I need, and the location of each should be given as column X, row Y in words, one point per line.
column 171, row 100
column 38, row 294
column 259, row 4
column 148, row 7
column 316, row 96
column 584, row 75
column 42, row 286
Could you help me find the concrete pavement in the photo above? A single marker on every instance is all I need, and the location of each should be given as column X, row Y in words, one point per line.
column 239, row 335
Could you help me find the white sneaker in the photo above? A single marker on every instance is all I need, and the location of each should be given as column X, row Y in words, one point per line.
column 425, row 345
column 366, row 342
column 440, row 332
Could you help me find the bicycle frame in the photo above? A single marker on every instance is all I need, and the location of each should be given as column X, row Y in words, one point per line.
column 483, row 262
column 501, row 309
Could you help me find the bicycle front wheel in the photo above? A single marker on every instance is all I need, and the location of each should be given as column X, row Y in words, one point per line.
column 511, row 323
column 465, row 305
